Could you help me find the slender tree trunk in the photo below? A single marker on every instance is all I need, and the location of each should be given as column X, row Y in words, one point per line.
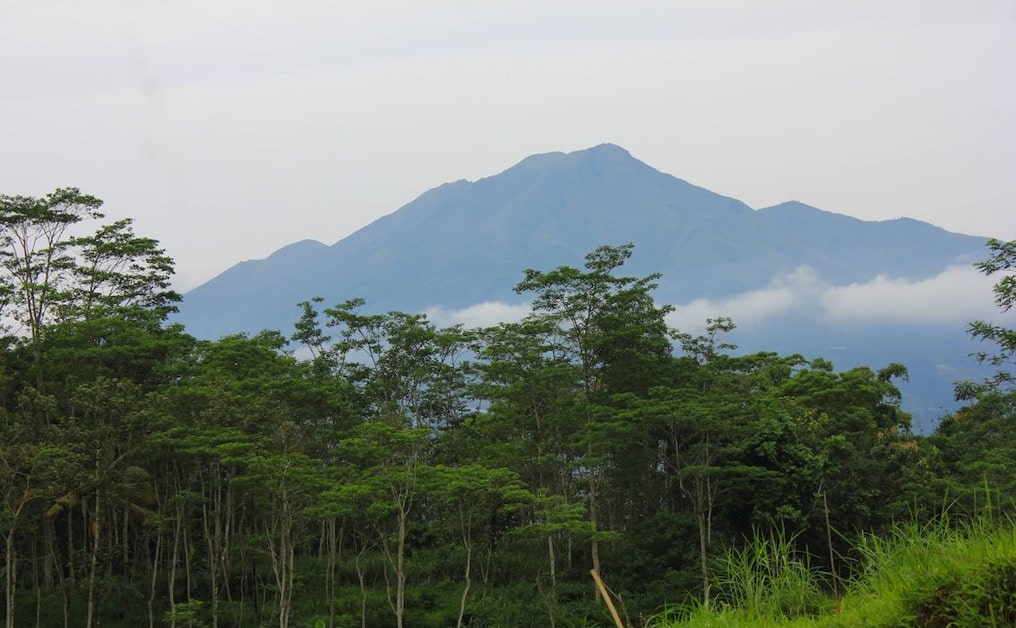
column 594, row 546
column 466, row 541
column 213, row 534
column 187, row 562
column 700, row 519
column 331, row 558
column 11, row 579
column 36, row 580
column 290, row 572
column 93, row 569
column 153, row 580
column 174, row 561
column 68, row 582
column 400, row 570
column 550, row 600
column 361, row 576
column 552, row 560
column 125, row 545
column 281, row 554
column 48, row 552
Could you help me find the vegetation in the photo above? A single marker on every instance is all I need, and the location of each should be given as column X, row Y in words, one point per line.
column 940, row 573
column 373, row 469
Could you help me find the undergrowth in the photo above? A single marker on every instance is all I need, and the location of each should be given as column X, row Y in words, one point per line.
column 937, row 574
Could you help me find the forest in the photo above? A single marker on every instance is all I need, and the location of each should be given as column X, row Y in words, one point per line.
column 369, row 469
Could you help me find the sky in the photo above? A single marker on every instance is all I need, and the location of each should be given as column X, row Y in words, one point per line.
column 231, row 128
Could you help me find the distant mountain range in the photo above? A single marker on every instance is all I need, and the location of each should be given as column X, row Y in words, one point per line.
column 466, row 243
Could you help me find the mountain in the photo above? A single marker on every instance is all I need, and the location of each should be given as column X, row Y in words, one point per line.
column 465, row 243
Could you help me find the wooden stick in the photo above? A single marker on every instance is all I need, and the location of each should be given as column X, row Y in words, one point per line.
column 606, row 598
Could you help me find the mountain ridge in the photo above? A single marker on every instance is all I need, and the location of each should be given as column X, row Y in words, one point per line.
column 549, row 209
column 468, row 242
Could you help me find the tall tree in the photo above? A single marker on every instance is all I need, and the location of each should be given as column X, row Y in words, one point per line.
column 975, row 444
column 34, row 258
column 412, row 385
column 1001, row 261
column 120, row 274
column 701, row 417
column 33, row 252
column 615, row 335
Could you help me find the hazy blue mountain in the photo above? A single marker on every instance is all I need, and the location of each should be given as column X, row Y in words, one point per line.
column 466, row 242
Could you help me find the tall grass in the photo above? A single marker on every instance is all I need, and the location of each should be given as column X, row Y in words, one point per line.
column 765, row 582
column 770, row 580
column 942, row 573
column 946, row 572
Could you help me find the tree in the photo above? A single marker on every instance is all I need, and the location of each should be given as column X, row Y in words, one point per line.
column 34, row 252
column 1002, row 260
column 859, row 437
column 702, row 417
column 407, row 369
column 109, row 419
column 30, row 465
column 288, row 483
column 120, row 274
column 412, row 386
column 470, row 495
column 392, row 475
column 238, row 405
column 615, row 335
column 976, row 450
column 975, row 444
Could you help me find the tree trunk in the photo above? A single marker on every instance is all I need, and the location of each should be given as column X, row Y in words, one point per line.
column 333, row 535
column 469, row 562
column 93, row 569
column 700, row 518
column 553, row 560
column 361, row 576
column 11, row 576
column 281, row 553
column 48, row 552
column 594, row 545
column 213, row 534
column 68, row 582
column 152, row 581
column 400, row 570
column 174, row 560
column 550, row 599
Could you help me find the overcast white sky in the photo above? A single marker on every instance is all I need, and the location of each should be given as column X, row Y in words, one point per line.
column 231, row 128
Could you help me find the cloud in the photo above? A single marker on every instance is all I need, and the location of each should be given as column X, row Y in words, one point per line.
column 795, row 290
column 479, row 315
column 956, row 296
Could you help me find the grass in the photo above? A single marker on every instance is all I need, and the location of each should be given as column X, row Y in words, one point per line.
column 943, row 573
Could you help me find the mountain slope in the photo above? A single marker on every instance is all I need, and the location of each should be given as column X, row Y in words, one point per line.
column 468, row 242
column 465, row 243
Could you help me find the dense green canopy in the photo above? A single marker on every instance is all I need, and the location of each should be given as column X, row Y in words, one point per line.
column 377, row 470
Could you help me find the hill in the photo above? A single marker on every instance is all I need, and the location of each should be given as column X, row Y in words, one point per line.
column 467, row 242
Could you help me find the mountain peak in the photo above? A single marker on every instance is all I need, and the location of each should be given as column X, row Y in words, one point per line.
column 601, row 153
column 603, row 150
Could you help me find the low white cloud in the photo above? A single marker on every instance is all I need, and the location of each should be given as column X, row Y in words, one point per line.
column 479, row 315
column 956, row 296
column 791, row 291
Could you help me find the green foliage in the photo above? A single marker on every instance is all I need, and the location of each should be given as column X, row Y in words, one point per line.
column 975, row 445
column 941, row 573
column 770, row 580
column 1001, row 261
column 401, row 473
